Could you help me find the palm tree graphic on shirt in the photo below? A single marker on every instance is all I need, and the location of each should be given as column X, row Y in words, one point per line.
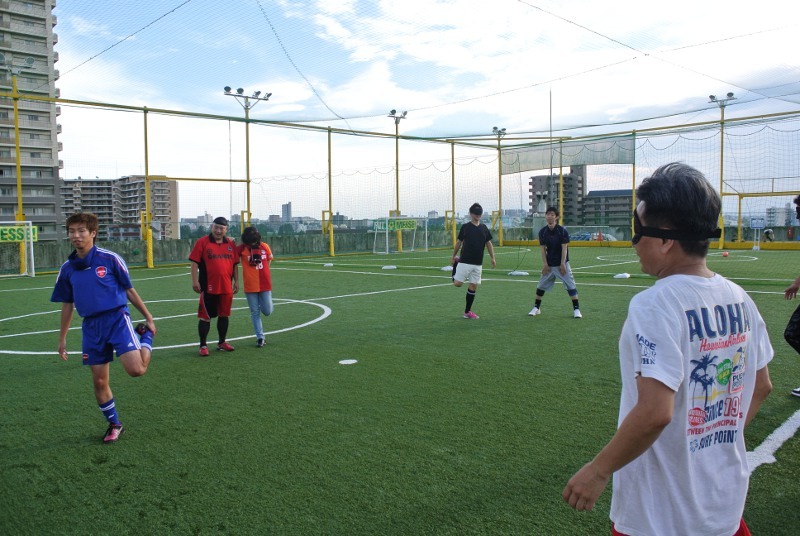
column 700, row 375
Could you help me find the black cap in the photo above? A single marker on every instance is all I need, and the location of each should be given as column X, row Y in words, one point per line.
column 221, row 221
column 476, row 209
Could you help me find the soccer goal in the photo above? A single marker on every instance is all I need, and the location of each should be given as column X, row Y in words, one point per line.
column 399, row 235
column 16, row 248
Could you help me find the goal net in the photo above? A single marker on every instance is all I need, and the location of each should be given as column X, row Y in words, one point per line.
column 399, row 235
column 16, row 248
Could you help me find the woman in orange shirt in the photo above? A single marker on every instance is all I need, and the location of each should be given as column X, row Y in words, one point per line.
column 256, row 257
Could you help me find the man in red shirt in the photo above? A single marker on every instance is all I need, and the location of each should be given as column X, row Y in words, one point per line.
column 215, row 277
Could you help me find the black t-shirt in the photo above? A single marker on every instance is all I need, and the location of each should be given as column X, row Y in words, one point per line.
column 473, row 241
column 552, row 241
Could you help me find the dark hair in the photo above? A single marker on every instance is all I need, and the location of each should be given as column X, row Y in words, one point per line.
column 680, row 197
column 86, row 218
column 251, row 236
column 553, row 210
column 221, row 221
column 476, row 209
column 797, row 200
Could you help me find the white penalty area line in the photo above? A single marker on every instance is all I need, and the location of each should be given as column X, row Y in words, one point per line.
column 326, row 312
column 132, row 280
column 765, row 452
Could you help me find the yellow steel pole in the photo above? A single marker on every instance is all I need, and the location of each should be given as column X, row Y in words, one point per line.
column 20, row 216
column 397, row 181
column 148, row 228
column 500, row 189
column 453, row 190
column 721, row 164
column 247, row 150
column 633, row 182
column 330, row 198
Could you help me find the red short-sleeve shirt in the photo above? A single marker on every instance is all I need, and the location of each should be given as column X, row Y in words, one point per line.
column 216, row 262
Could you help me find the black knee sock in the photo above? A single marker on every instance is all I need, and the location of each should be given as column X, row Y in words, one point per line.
column 222, row 328
column 470, row 300
column 203, row 328
column 575, row 304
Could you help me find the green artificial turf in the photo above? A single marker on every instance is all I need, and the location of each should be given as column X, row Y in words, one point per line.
column 443, row 426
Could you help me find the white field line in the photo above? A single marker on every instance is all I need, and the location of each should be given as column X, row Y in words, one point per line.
column 765, row 452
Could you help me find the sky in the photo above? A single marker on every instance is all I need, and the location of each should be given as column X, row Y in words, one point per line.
column 458, row 67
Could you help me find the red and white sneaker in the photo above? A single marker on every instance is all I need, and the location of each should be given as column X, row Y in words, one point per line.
column 113, row 433
column 203, row 351
column 471, row 315
column 225, row 347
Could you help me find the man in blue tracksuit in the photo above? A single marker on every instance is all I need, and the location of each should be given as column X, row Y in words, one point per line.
column 96, row 282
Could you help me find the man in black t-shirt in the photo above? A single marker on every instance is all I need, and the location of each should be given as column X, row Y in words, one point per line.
column 472, row 239
column 553, row 240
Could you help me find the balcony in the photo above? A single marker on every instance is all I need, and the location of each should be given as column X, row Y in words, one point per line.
column 55, row 57
column 55, row 38
column 21, row 8
column 55, row 21
column 29, row 29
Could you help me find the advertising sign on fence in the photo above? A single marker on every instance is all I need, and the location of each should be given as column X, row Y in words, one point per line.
column 16, row 233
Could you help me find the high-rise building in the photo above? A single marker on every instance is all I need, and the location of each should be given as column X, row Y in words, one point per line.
column 120, row 203
column 544, row 191
column 286, row 212
column 608, row 207
column 26, row 52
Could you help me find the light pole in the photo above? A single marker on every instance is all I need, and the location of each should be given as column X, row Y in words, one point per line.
column 394, row 115
column 721, row 103
column 499, row 132
column 247, row 102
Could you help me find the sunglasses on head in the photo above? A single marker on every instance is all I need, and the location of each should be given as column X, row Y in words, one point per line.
column 640, row 230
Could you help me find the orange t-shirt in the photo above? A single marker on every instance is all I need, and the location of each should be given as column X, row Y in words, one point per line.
column 255, row 274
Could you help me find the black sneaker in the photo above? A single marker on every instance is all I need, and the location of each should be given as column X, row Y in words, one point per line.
column 453, row 275
column 113, row 433
column 260, row 343
column 141, row 329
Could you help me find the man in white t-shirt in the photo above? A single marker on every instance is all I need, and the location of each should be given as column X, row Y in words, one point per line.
column 693, row 357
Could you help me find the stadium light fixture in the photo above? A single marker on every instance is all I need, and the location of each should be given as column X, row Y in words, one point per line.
column 393, row 114
column 247, row 103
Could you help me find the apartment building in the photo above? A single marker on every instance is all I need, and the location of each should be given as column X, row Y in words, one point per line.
column 120, row 203
column 544, row 190
column 26, row 52
column 608, row 207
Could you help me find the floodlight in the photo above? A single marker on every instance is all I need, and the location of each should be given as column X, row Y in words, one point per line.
column 268, row 95
column 240, row 91
column 227, row 89
column 404, row 113
column 730, row 94
column 712, row 98
column 256, row 94
column 392, row 112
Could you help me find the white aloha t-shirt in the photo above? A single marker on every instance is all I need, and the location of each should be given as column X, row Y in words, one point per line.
column 705, row 340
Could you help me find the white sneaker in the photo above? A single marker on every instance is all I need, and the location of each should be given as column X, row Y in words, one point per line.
column 576, row 313
column 535, row 311
column 796, row 392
